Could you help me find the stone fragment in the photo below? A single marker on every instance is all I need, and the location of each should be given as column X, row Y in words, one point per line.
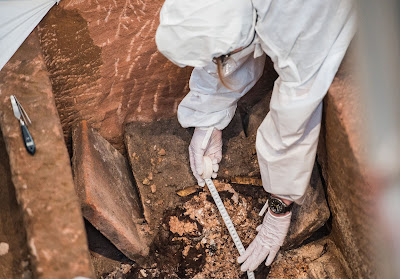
column 310, row 216
column 320, row 259
column 143, row 273
column 239, row 138
column 43, row 182
column 170, row 174
column 4, row 248
column 146, row 181
column 350, row 190
column 246, row 180
column 237, row 158
column 109, row 199
column 162, row 152
column 188, row 191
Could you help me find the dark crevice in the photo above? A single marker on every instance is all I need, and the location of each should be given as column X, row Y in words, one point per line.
column 325, row 187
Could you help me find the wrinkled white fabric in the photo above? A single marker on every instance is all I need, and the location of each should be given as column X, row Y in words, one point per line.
column 267, row 243
column 17, row 20
column 306, row 41
column 192, row 33
column 209, row 103
column 205, row 142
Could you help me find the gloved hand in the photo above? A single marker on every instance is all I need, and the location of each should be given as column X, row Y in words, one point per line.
column 205, row 142
column 268, row 241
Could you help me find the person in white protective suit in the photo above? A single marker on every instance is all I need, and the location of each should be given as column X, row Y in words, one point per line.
column 306, row 40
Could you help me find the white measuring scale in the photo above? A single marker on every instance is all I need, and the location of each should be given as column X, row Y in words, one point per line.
column 207, row 164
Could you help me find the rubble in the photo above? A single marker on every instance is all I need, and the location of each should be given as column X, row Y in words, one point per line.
column 195, row 234
column 311, row 215
column 109, row 200
column 319, row 259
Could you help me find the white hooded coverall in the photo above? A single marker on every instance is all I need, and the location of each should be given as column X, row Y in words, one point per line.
column 306, row 40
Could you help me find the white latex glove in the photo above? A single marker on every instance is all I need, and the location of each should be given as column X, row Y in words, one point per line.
column 268, row 241
column 205, row 142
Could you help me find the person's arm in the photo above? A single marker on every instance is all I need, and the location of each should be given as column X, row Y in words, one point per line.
column 210, row 106
column 209, row 103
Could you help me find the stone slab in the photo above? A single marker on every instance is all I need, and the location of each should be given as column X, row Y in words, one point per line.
column 108, row 197
column 43, row 183
column 158, row 156
column 311, row 215
column 351, row 192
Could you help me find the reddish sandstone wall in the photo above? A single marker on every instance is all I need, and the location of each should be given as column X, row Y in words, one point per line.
column 105, row 68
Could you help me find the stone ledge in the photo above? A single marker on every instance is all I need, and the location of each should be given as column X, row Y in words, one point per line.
column 43, row 182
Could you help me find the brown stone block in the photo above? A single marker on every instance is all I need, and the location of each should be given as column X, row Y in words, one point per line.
column 311, row 215
column 43, row 183
column 109, row 199
column 158, row 156
column 351, row 195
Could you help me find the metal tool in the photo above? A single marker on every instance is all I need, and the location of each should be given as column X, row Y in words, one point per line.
column 222, row 210
column 23, row 118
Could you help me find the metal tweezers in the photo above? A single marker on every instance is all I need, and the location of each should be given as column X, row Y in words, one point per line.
column 23, row 118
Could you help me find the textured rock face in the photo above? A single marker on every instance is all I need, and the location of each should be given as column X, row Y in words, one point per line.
column 105, row 67
column 43, row 182
column 109, row 200
column 350, row 193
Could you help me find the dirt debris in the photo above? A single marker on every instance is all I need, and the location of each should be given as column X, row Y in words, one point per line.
column 162, row 152
column 194, row 242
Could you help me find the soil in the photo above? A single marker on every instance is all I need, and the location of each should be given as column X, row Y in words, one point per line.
column 193, row 241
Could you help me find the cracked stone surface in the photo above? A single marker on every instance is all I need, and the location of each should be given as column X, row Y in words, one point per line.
column 195, row 234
